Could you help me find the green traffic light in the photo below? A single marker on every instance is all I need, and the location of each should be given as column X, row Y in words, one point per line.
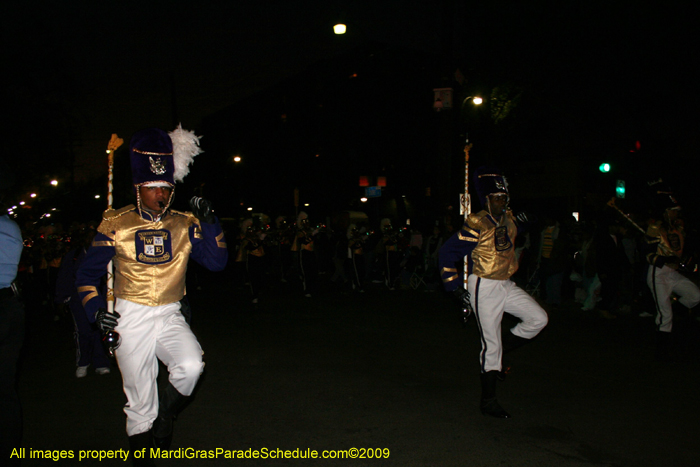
column 604, row 167
column 620, row 189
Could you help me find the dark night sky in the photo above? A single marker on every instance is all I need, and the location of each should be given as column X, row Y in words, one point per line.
column 92, row 69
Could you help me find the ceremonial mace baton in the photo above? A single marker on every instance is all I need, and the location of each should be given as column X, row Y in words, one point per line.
column 664, row 247
column 466, row 209
column 111, row 339
column 687, row 263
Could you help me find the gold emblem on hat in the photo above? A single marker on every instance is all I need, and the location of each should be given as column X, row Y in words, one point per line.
column 157, row 165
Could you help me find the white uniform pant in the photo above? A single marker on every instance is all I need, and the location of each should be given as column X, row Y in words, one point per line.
column 667, row 282
column 148, row 334
column 490, row 299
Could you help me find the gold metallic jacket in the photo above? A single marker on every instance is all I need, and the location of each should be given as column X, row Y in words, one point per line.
column 667, row 241
column 494, row 255
column 489, row 245
column 150, row 256
column 141, row 245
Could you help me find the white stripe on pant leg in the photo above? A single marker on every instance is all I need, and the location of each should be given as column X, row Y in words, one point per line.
column 662, row 292
column 521, row 305
column 138, row 365
column 178, row 348
column 488, row 300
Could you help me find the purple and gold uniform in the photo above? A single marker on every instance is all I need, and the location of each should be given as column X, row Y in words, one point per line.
column 487, row 240
column 667, row 239
column 150, row 258
column 488, row 244
column 150, row 246
column 303, row 253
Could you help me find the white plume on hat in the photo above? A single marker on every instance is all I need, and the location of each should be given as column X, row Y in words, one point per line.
column 185, row 148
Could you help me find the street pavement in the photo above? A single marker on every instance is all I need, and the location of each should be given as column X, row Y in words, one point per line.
column 393, row 374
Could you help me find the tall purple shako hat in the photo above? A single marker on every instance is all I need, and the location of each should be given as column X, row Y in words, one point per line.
column 487, row 181
column 151, row 152
column 161, row 159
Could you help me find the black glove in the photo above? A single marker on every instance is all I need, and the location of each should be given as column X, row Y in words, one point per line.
column 202, row 210
column 463, row 297
column 106, row 321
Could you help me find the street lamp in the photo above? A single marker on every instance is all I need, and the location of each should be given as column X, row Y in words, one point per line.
column 476, row 100
column 339, row 29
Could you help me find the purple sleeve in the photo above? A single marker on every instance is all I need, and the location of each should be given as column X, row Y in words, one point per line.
column 90, row 273
column 452, row 253
column 209, row 245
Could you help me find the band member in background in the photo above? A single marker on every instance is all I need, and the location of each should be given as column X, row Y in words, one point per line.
column 304, row 254
column 666, row 242
column 487, row 239
column 251, row 254
column 356, row 261
column 278, row 243
column 388, row 254
column 151, row 244
column 88, row 338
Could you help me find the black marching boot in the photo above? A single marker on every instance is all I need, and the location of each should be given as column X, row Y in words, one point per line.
column 142, row 442
column 489, row 404
column 171, row 401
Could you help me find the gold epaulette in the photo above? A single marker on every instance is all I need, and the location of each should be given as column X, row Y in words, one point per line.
column 110, row 214
column 654, row 230
column 109, row 218
column 181, row 213
column 474, row 220
column 191, row 219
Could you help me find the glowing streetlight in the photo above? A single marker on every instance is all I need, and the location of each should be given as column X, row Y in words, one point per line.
column 339, row 28
column 22, row 203
column 250, row 209
column 32, row 195
column 476, row 100
column 236, row 158
column 97, row 196
column 363, row 199
column 54, row 182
